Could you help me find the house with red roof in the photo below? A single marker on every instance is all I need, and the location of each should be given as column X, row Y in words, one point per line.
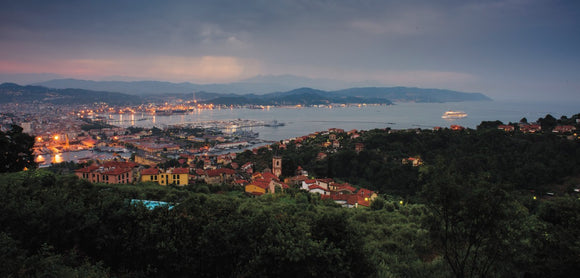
column 367, row 195
column 263, row 183
column 317, row 189
column 457, row 127
column 343, row 188
column 307, row 183
column 176, row 176
column 248, row 167
column 219, row 176
column 530, row 128
column 506, row 128
column 564, row 129
column 414, row 161
column 111, row 172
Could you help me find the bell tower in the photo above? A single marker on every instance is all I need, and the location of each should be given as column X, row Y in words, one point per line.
column 277, row 165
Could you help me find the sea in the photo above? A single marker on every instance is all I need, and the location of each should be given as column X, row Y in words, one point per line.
column 305, row 120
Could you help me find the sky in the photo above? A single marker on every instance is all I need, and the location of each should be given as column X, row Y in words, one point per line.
column 506, row 49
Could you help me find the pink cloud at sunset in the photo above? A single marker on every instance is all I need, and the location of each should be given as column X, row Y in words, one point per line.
column 173, row 68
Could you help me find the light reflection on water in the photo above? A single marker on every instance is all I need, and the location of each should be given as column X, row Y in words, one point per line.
column 76, row 156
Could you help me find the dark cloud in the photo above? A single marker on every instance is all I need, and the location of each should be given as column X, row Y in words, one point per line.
column 482, row 39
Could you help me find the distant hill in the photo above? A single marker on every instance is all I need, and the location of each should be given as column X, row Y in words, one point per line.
column 10, row 92
column 144, row 88
column 261, row 84
column 375, row 95
column 251, row 92
column 405, row 94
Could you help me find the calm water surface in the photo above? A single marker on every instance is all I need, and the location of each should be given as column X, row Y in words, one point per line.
column 302, row 121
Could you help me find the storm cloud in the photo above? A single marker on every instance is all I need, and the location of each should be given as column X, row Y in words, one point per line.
column 510, row 48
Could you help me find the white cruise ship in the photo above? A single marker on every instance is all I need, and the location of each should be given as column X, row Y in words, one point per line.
column 454, row 115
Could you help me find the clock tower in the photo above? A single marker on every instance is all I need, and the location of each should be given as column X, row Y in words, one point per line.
column 277, row 165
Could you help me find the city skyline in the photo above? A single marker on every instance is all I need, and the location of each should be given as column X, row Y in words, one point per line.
column 504, row 49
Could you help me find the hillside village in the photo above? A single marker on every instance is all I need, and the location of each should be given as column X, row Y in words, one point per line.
column 222, row 169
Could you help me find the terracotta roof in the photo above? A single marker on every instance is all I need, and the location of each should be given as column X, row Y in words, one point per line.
column 345, row 187
column 269, row 176
column 356, row 199
column 87, row 169
column 119, row 164
column 218, row 172
column 300, row 178
column 240, row 181
column 327, row 180
column 150, row 171
column 261, row 183
column 180, row 171
column 117, row 171
column 314, row 186
column 365, row 192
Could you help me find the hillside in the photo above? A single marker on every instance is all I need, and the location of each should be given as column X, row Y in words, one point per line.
column 10, row 92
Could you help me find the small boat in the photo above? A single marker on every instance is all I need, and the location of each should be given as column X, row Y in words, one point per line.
column 454, row 115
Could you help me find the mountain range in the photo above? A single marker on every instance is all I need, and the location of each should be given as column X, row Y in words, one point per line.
column 73, row 91
column 261, row 84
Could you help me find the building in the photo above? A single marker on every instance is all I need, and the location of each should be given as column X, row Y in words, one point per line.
column 277, row 166
column 219, row 176
column 457, row 127
column 176, row 176
column 415, row 161
column 359, row 147
column 111, row 172
column 149, row 160
column 263, row 183
column 564, row 129
column 530, row 128
column 506, row 128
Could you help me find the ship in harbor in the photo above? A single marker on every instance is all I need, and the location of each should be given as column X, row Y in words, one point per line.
column 454, row 115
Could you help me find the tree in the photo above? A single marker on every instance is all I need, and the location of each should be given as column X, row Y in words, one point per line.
column 16, row 150
column 476, row 225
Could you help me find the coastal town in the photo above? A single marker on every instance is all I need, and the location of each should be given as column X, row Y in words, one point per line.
column 193, row 153
column 179, row 155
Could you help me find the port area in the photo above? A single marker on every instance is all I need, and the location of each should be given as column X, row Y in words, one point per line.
column 228, row 126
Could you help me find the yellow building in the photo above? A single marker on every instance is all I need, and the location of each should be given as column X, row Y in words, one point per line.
column 177, row 176
column 256, row 188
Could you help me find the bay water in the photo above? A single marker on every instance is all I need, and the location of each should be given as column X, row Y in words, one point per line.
column 305, row 120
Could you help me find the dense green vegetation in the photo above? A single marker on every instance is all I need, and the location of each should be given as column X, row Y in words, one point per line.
column 16, row 150
column 521, row 161
column 59, row 226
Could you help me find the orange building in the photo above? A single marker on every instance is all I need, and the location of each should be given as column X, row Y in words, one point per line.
column 111, row 172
